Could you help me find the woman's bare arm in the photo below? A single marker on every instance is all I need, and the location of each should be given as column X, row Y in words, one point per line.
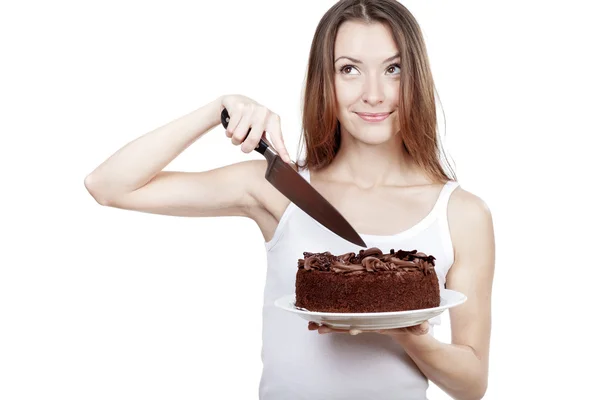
column 461, row 367
column 223, row 191
column 138, row 162
column 133, row 177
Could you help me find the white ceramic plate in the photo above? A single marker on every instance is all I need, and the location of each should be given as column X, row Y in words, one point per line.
column 371, row 321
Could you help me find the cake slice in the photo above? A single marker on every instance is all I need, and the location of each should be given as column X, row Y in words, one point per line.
column 369, row 281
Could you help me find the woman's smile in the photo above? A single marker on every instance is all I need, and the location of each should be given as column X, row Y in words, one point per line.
column 373, row 117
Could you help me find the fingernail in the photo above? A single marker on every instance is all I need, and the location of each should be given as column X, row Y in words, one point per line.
column 355, row 331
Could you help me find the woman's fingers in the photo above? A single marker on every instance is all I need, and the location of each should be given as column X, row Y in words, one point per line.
column 248, row 122
column 258, row 118
column 241, row 130
column 418, row 330
column 256, row 132
column 313, row 326
column 235, row 115
column 274, row 129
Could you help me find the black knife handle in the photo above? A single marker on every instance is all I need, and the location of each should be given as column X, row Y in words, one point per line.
column 262, row 145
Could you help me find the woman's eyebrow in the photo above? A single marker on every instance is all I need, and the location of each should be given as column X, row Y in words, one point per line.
column 356, row 61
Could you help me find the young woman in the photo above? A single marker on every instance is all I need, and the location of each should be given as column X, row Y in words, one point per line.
column 369, row 125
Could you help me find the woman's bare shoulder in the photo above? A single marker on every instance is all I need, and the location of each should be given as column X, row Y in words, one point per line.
column 463, row 201
column 469, row 218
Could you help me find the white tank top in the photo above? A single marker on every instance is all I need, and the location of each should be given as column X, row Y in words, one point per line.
column 302, row 364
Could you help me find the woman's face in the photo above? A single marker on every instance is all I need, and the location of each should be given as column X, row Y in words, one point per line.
column 367, row 81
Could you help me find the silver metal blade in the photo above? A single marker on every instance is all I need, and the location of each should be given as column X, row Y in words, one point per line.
column 293, row 186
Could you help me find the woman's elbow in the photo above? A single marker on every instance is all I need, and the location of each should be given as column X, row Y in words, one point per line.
column 91, row 186
column 479, row 390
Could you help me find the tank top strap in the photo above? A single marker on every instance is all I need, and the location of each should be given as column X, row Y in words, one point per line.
column 441, row 205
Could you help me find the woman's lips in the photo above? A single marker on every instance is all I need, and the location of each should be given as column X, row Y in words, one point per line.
column 373, row 117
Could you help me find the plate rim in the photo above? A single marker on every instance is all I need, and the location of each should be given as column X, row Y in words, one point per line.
column 283, row 302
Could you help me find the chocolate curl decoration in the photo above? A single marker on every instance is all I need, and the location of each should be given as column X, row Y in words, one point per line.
column 312, row 262
column 369, row 261
column 401, row 263
column 346, row 268
column 348, row 258
column 372, row 252
column 373, row 264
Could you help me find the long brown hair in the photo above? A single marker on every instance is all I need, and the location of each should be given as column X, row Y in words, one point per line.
column 416, row 110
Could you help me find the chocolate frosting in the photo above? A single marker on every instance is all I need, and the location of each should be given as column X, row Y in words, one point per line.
column 370, row 260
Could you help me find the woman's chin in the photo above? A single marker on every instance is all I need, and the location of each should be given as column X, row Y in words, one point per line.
column 373, row 138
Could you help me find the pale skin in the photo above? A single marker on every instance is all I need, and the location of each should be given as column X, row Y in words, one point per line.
column 369, row 180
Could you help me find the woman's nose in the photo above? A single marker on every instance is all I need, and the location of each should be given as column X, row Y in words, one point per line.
column 372, row 91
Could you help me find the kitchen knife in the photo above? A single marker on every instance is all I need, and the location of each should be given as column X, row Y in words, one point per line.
column 293, row 186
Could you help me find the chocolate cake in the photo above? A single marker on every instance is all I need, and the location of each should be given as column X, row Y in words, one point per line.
column 369, row 281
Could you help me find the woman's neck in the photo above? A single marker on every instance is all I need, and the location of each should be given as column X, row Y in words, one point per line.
column 369, row 166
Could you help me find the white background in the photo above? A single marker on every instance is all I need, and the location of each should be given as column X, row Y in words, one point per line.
column 100, row 303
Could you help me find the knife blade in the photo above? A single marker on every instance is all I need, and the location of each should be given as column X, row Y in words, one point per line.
column 293, row 186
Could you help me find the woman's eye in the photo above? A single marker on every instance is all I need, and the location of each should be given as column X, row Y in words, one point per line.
column 394, row 69
column 351, row 69
column 347, row 69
